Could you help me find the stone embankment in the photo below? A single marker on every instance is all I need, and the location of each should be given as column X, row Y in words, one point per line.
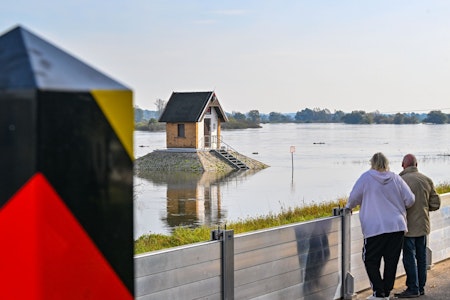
column 190, row 161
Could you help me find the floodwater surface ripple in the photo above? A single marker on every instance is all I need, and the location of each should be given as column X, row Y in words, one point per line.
column 328, row 159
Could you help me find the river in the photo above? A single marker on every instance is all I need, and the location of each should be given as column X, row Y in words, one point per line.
column 309, row 163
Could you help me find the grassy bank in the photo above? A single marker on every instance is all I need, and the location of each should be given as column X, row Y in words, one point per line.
column 183, row 235
column 443, row 188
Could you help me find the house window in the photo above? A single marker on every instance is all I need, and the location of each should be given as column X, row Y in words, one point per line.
column 181, row 130
column 208, row 111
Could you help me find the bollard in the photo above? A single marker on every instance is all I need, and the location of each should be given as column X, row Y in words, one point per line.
column 66, row 179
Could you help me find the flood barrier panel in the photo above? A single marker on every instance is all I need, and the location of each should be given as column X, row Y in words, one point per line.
column 307, row 260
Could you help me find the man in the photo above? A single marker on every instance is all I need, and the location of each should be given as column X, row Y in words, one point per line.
column 383, row 197
column 418, row 218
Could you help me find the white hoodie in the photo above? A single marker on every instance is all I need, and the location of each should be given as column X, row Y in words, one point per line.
column 384, row 198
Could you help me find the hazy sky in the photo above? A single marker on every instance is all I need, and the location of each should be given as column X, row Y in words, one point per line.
column 282, row 56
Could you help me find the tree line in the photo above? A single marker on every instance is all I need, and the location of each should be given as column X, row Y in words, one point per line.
column 317, row 115
column 148, row 120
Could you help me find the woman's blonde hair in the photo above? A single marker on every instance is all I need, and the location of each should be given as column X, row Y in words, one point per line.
column 379, row 162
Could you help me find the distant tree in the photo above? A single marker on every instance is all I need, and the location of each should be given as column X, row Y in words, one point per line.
column 276, row 117
column 399, row 118
column 355, row 117
column 436, row 117
column 264, row 118
column 238, row 120
column 254, row 116
column 138, row 114
column 367, row 118
column 239, row 116
column 381, row 118
column 411, row 119
column 315, row 115
column 141, row 126
column 322, row 115
column 337, row 116
column 417, row 117
column 306, row 115
column 160, row 105
column 154, row 125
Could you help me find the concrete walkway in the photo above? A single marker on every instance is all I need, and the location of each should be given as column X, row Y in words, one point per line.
column 437, row 286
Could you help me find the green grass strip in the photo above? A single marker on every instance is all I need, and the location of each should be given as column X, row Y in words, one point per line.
column 185, row 235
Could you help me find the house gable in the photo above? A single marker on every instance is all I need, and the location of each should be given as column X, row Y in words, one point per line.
column 191, row 107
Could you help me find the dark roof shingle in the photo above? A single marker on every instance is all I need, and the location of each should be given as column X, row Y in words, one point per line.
column 187, row 107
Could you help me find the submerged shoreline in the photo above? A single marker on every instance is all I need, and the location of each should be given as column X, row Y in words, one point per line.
column 313, row 174
column 189, row 161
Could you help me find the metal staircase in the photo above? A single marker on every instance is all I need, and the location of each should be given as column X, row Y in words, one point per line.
column 230, row 159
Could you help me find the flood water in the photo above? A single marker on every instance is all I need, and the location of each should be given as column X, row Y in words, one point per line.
column 328, row 159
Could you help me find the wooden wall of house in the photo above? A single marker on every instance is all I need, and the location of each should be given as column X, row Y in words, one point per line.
column 189, row 141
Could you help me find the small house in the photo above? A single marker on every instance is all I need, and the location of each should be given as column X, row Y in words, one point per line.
column 193, row 120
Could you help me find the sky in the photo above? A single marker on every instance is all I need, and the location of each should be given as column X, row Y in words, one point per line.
column 270, row 55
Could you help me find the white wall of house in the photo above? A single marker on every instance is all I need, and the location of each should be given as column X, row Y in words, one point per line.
column 213, row 117
column 214, row 128
column 201, row 133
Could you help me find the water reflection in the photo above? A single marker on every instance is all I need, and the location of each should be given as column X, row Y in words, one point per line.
column 314, row 257
column 322, row 172
column 194, row 198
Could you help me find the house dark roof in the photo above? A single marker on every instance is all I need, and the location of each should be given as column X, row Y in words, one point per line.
column 27, row 61
column 190, row 107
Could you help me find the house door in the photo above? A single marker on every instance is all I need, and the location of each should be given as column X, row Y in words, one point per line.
column 207, row 133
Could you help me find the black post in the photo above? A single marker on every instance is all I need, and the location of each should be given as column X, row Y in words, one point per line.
column 227, row 261
column 347, row 288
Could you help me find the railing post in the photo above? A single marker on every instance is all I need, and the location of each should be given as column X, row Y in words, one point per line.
column 348, row 287
column 227, row 261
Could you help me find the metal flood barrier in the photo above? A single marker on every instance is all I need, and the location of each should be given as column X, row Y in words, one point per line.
column 319, row 259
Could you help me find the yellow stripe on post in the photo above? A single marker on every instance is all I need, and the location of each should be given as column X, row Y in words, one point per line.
column 117, row 106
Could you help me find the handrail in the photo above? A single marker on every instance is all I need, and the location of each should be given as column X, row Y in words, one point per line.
column 228, row 147
column 233, row 151
column 218, row 140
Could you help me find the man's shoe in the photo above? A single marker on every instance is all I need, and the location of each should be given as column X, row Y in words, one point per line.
column 407, row 294
column 422, row 293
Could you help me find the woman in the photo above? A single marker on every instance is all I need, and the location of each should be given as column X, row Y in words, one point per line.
column 383, row 197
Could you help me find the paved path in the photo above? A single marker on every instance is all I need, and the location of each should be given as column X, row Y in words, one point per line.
column 437, row 287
